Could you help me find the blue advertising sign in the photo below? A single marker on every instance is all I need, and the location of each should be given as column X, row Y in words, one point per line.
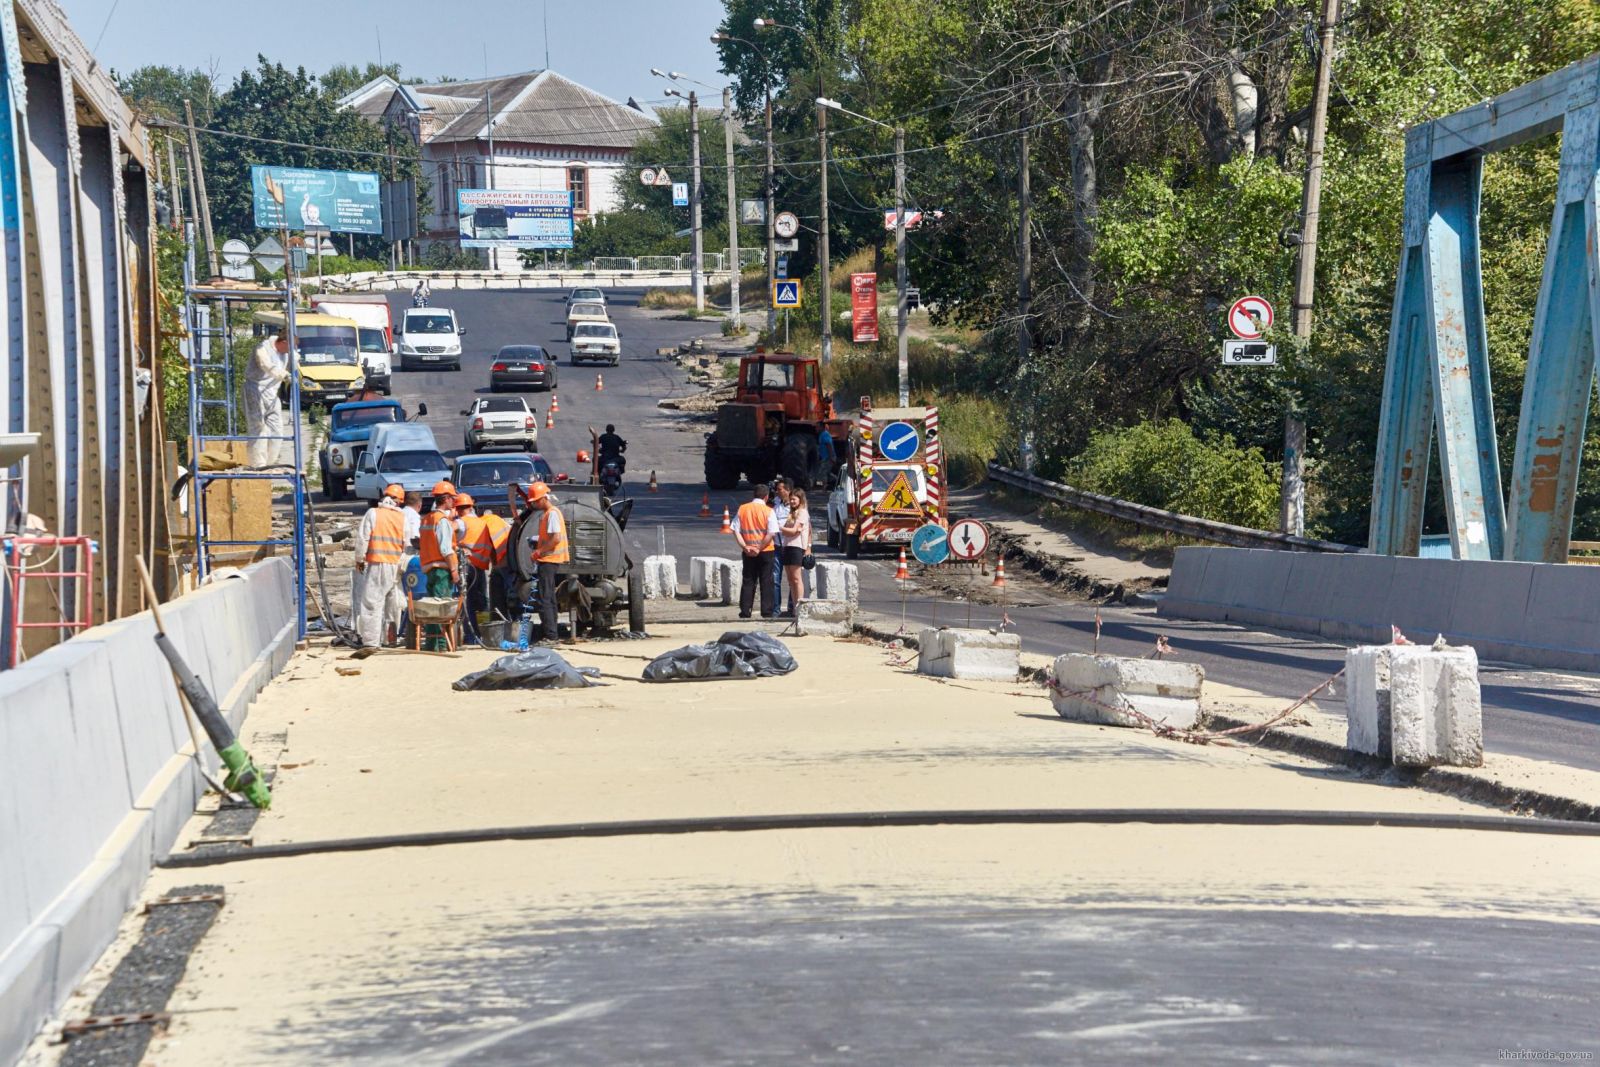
column 899, row 441
column 341, row 201
column 931, row 544
column 514, row 218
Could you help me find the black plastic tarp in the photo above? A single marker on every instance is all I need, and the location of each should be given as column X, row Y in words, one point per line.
column 733, row 655
column 537, row 668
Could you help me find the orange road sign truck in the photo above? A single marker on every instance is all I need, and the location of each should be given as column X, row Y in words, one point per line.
column 891, row 483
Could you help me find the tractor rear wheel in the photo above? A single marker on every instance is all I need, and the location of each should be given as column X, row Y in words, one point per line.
column 798, row 458
column 721, row 473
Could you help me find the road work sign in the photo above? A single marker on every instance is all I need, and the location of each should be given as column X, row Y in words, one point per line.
column 1250, row 317
column 898, row 442
column 931, row 545
column 901, row 499
column 786, row 292
column 969, row 540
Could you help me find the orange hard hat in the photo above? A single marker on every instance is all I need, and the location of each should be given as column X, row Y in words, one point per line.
column 394, row 492
column 583, row 457
column 464, row 500
column 538, row 491
column 443, row 489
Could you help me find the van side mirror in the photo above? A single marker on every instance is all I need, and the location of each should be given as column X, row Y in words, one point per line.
column 464, row 411
column 461, row 331
column 422, row 409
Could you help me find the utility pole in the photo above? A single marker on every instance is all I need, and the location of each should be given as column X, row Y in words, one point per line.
column 822, row 244
column 733, row 207
column 197, row 185
column 1292, row 500
column 488, row 111
column 175, row 183
column 772, row 237
column 904, row 363
column 697, row 277
column 1024, row 249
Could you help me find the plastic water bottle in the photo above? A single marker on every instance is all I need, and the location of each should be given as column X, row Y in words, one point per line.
column 524, row 632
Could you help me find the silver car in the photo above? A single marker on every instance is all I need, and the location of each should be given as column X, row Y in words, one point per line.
column 500, row 422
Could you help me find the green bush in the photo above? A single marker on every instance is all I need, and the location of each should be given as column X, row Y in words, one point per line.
column 1165, row 465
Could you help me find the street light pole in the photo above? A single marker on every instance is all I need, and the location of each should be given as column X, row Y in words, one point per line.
column 772, row 234
column 904, row 362
column 733, row 204
column 697, row 278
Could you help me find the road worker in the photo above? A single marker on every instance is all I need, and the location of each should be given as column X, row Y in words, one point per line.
column 395, row 609
column 470, row 528
column 380, row 546
column 490, row 547
column 549, row 542
column 437, row 544
column 264, row 375
column 756, row 530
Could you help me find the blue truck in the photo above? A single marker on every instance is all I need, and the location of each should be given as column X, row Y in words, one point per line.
column 349, row 429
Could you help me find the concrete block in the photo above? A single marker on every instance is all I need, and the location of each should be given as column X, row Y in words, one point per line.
column 1435, row 706
column 1090, row 688
column 1366, row 702
column 839, row 581
column 830, row 618
column 660, row 577
column 973, row 654
column 705, row 577
column 1188, row 573
column 732, row 582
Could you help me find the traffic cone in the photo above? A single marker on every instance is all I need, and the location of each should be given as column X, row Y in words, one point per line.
column 900, row 573
column 555, row 403
column 727, row 526
column 654, row 488
column 999, row 572
column 550, row 419
column 705, row 505
column 599, row 383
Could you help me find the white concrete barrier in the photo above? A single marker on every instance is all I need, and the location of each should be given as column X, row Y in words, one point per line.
column 839, row 581
column 829, row 618
column 1089, row 688
column 705, row 577
column 1414, row 704
column 95, row 784
column 1366, row 703
column 661, row 577
column 974, row 654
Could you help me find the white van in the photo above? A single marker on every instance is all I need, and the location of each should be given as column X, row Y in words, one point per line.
column 403, row 454
column 430, row 337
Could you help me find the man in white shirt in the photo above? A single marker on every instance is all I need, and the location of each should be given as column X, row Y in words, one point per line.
column 264, row 374
column 394, row 607
column 780, row 518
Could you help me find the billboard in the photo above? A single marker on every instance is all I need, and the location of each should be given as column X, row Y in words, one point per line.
column 864, row 307
column 514, row 218
column 341, row 201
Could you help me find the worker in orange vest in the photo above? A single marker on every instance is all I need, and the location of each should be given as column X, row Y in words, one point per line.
column 549, row 540
column 380, row 544
column 437, row 545
column 471, row 528
column 496, row 538
column 756, row 530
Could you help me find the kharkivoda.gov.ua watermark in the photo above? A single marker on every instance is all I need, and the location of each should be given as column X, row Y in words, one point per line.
column 1545, row 1055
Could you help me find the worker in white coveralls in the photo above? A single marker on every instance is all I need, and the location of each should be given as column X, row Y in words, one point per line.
column 380, row 543
column 267, row 370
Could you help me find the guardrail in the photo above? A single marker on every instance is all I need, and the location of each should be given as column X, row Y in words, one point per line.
column 1222, row 533
column 368, row 281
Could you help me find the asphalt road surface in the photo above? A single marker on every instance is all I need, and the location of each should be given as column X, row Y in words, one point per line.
column 1539, row 714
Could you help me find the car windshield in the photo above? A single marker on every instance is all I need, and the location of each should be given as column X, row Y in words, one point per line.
column 412, row 462
column 322, row 345
column 595, row 329
column 508, row 403
column 587, row 294
column 593, row 311
column 430, row 324
column 344, row 420
column 373, row 340
column 772, row 376
column 499, row 472
column 522, row 352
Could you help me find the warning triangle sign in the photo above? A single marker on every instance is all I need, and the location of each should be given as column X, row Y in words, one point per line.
column 900, row 499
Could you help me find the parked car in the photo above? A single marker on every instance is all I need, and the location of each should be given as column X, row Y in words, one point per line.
column 586, row 293
column 500, row 421
column 586, row 311
column 430, row 337
column 403, row 454
column 596, row 342
column 522, row 367
column 488, row 478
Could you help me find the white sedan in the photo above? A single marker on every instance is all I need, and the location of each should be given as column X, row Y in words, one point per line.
column 500, row 421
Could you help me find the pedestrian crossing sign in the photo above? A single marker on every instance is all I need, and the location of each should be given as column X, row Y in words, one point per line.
column 786, row 292
column 900, row 499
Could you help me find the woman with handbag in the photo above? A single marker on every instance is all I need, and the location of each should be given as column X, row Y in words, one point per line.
column 796, row 547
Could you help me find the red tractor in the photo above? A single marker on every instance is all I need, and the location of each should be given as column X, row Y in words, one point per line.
column 773, row 424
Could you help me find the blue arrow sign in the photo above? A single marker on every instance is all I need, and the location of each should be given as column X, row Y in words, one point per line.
column 899, row 441
column 786, row 292
column 931, row 545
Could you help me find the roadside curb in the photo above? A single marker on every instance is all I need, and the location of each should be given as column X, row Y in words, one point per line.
column 1446, row 780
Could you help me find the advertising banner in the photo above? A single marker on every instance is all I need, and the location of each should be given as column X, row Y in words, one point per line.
column 340, row 201
column 514, row 218
column 864, row 307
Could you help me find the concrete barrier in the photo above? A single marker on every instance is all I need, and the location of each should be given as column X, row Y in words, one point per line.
column 974, row 654
column 706, row 575
column 96, row 779
column 1089, row 688
column 1542, row 614
column 828, row 618
column 839, row 581
column 661, row 577
column 1435, row 707
column 1366, row 702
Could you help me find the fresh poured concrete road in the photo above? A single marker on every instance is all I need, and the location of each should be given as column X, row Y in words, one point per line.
column 1538, row 714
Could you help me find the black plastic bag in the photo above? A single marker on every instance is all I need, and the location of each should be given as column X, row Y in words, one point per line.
column 735, row 654
column 537, row 668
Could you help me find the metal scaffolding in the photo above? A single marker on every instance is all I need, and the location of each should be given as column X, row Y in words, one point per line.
column 214, row 417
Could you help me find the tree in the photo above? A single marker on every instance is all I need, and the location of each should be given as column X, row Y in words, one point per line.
column 345, row 78
column 160, row 91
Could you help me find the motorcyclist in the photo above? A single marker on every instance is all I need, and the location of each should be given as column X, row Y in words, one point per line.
column 612, row 447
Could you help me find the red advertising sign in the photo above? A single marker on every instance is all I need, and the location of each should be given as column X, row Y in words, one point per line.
column 864, row 307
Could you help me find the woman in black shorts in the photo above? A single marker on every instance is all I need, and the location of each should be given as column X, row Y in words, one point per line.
column 796, row 544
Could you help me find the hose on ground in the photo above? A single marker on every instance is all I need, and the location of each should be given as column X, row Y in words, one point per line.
column 343, row 633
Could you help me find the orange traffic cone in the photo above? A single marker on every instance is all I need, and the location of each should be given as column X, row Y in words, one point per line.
column 900, row 573
column 555, row 402
column 550, row 419
column 654, row 488
column 999, row 572
column 599, row 383
column 727, row 526
column 705, row 505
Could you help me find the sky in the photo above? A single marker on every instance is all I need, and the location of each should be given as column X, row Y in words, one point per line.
column 607, row 45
